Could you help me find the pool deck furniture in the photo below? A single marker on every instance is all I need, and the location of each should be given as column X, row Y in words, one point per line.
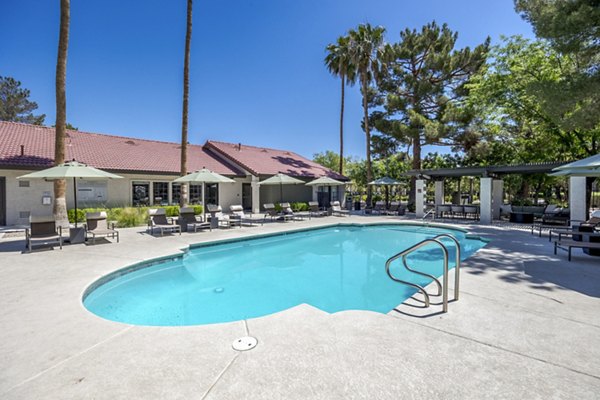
column 379, row 207
column 521, row 217
column 287, row 213
column 42, row 230
column 218, row 219
column 336, row 209
column 187, row 220
column 314, row 210
column 96, row 224
column 157, row 219
column 238, row 214
column 569, row 244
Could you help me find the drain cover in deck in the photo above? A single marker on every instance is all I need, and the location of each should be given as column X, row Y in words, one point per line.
column 245, row 343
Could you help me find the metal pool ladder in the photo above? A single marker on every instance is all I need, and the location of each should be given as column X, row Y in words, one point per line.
column 442, row 287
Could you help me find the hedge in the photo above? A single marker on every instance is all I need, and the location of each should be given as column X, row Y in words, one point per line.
column 127, row 216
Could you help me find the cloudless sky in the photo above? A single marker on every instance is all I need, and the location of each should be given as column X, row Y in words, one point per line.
column 257, row 72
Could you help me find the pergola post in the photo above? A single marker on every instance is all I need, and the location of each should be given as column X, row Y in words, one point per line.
column 497, row 197
column 439, row 192
column 577, row 195
column 485, row 200
column 420, row 198
column 255, row 195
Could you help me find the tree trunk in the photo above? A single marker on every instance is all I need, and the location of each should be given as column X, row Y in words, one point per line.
column 183, row 199
column 368, row 135
column 416, row 164
column 341, row 169
column 60, row 202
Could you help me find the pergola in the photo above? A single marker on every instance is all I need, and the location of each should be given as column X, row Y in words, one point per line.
column 491, row 190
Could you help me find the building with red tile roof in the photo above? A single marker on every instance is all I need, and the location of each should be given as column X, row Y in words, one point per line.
column 149, row 167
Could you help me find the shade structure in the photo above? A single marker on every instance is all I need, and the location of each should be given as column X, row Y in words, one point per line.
column 71, row 170
column 325, row 181
column 204, row 176
column 281, row 179
column 589, row 162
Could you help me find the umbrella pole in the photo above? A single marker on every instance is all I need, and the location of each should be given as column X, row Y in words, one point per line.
column 280, row 193
column 75, row 198
column 203, row 203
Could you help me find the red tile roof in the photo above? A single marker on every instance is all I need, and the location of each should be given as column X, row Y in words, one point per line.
column 109, row 152
column 266, row 161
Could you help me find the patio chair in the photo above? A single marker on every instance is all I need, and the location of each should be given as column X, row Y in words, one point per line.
column 471, row 212
column 44, row 230
column 97, row 225
column 314, row 210
column 157, row 219
column 287, row 213
column 575, row 225
column 218, row 218
column 393, row 208
column 336, row 209
column 237, row 214
column 443, row 210
column 187, row 220
column 379, row 207
column 458, row 211
column 270, row 211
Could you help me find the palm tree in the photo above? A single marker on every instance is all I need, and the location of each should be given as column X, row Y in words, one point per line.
column 366, row 54
column 60, row 202
column 338, row 63
column 183, row 199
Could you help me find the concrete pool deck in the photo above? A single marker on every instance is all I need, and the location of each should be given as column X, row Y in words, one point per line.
column 526, row 326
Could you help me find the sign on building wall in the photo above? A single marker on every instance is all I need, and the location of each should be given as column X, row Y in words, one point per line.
column 92, row 191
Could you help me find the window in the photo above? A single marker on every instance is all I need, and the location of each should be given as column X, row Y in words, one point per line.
column 211, row 194
column 195, row 194
column 161, row 193
column 175, row 193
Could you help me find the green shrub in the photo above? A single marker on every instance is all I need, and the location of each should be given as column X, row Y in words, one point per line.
column 300, row 207
column 126, row 217
column 197, row 210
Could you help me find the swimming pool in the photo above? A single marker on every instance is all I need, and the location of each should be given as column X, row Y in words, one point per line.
column 335, row 268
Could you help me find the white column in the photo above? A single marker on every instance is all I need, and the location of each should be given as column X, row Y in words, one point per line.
column 420, row 198
column 497, row 196
column 485, row 200
column 439, row 192
column 255, row 195
column 315, row 196
column 151, row 194
column 577, row 198
column 170, row 192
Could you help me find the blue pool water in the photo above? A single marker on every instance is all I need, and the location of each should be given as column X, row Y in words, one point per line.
column 333, row 269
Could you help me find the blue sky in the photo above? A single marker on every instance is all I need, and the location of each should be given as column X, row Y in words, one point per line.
column 257, row 73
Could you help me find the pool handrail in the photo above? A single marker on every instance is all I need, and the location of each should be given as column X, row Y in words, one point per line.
column 409, row 250
column 457, row 262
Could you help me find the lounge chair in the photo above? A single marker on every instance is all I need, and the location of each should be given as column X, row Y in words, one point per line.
column 567, row 245
column 393, row 208
column 314, row 209
column 270, row 211
column 443, row 210
column 218, row 218
column 158, row 220
column 187, row 220
column 589, row 225
column 287, row 213
column 96, row 225
column 44, row 230
column 379, row 207
column 237, row 214
column 471, row 212
column 336, row 209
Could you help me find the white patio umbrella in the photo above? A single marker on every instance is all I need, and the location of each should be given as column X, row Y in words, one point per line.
column 385, row 181
column 74, row 170
column 325, row 181
column 577, row 172
column 589, row 162
column 204, row 176
column 281, row 179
